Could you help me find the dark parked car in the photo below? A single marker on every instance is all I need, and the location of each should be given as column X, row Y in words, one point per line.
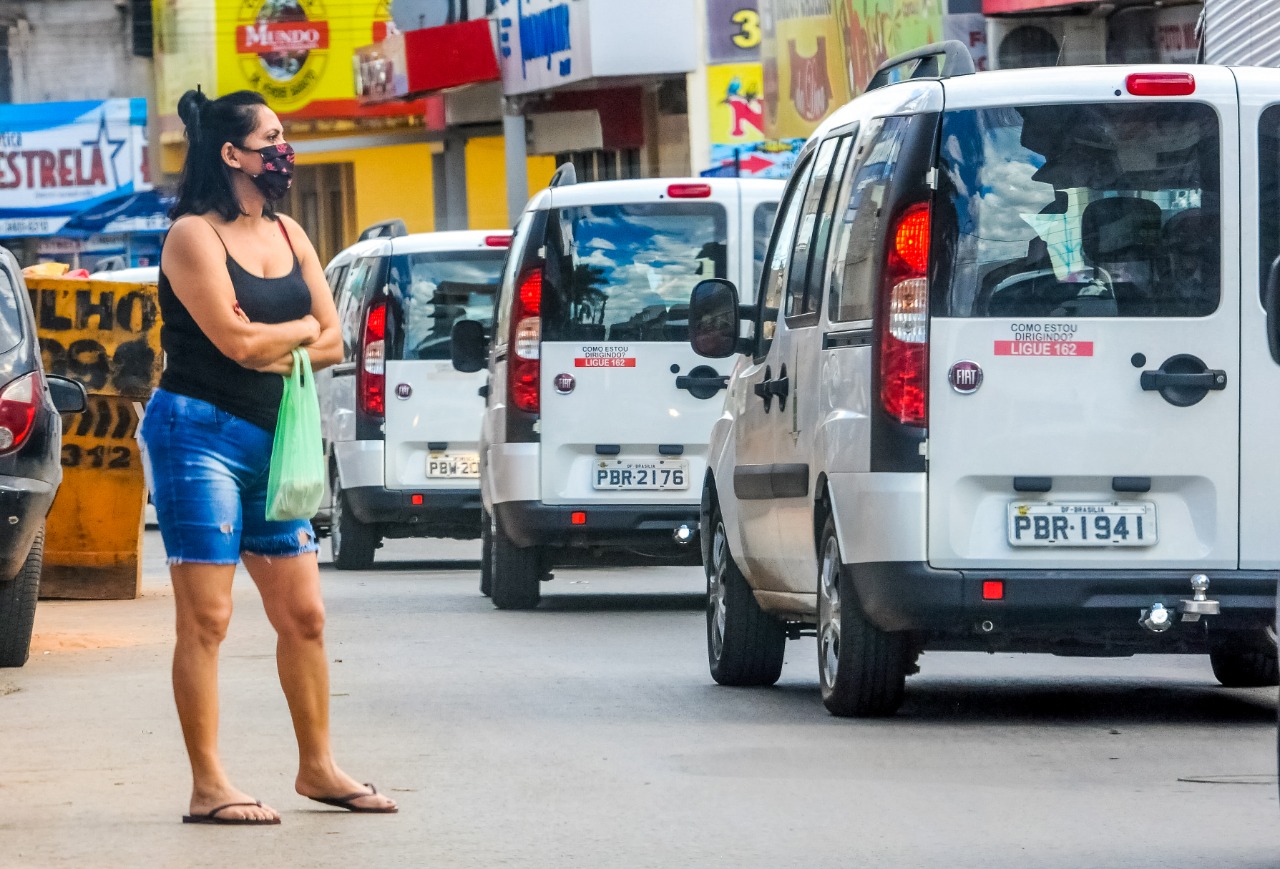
column 30, row 464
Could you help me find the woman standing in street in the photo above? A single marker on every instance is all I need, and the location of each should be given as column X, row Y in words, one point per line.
column 240, row 288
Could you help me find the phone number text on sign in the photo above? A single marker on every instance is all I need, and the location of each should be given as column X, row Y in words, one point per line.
column 604, row 362
column 1044, row 348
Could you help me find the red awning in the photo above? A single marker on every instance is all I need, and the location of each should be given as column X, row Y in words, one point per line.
column 1012, row 7
column 421, row 62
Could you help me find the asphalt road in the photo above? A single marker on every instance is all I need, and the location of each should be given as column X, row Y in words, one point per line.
column 588, row 733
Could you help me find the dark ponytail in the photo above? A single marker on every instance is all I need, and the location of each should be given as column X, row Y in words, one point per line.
column 206, row 178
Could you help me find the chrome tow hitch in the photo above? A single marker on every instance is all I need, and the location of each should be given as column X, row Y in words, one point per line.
column 1199, row 605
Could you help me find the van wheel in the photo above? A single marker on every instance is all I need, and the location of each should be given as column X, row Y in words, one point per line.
column 862, row 669
column 486, row 553
column 745, row 645
column 352, row 542
column 18, row 607
column 1244, row 659
column 516, row 573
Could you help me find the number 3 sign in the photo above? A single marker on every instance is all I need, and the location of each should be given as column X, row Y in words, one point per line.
column 733, row 31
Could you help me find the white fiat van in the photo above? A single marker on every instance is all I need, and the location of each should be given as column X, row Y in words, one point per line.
column 1010, row 382
column 595, row 431
column 400, row 424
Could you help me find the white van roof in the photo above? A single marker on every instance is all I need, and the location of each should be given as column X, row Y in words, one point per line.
column 421, row 242
column 647, row 190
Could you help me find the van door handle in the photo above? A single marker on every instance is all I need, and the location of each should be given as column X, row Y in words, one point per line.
column 702, row 382
column 764, row 389
column 1154, row 381
column 1183, row 380
column 782, row 387
column 483, row 391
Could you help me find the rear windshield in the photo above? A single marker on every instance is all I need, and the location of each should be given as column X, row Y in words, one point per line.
column 625, row 272
column 11, row 314
column 1079, row 211
column 435, row 290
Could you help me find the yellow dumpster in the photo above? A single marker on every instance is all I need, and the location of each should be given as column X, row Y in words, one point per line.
column 107, row 336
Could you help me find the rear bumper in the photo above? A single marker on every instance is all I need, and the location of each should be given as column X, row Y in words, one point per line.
column 532, row 523
column 23, row 506
column 443, row 512
column 912, row 596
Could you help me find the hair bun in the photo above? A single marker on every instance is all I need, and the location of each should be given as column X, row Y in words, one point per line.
column 190, row 108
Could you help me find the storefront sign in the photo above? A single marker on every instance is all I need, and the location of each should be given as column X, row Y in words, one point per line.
column 733, row 31
column 426, row 61
column 971, row 29
column 738, row 144
column 1014, row 7
column 59, row 159
column 804, row 76
column 872, row 31
column 1176, row 40
column 299, row 54
column 544, row 44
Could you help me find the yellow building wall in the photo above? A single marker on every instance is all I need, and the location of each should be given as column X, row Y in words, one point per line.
column 487, row 182
column 390, row 181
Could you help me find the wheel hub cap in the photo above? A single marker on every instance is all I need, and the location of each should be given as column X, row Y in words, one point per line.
column 716, row 603
column 829, row 614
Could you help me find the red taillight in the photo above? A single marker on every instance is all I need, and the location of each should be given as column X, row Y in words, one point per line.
column 904, row 335
column 992, row 589
column 524, row 366
column 689, row 191
column 19, row 402
column 578, row 518
column 497, row 241
column 371, row 376
column 1161, row 84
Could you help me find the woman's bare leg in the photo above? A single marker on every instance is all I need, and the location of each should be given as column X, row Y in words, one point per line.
column 202, row 593
column 290, row 589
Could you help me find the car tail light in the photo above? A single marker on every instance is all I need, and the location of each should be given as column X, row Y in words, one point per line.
column 904, row 347
column 524, row 367
column 497, row 241
column 689, row 191
column 19, row 402
column 1161, row 84
column 371, row 376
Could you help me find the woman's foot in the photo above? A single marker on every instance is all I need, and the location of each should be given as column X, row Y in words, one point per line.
column 339, row 789
column 239, row 806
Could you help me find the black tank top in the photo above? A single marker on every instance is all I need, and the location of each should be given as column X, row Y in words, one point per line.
column 198, row 369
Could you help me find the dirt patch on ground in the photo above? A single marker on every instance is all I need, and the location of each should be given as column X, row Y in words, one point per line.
column 74, row 642
column 8, row 688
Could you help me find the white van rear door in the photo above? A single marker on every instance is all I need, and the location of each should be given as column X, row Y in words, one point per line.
column 433, row 411
column 1084, row 385
column 626, row 405
column 1260, row 372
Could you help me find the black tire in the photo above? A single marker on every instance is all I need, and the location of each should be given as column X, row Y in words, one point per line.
column 745, row 645
column 486, row 553
column 352, row 542
column 1244, row 659
column 516, row 581
column 18, row 607
column 862, row 670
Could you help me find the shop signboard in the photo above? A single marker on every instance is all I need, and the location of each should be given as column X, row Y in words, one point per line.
column 544, row 44
column 804, row 75
column 1176, row 37
column 299, row 54
column 971, row 29
column 1022, row 7
column 872, row 31
column 59, row 159
column 738, row 144
column 733, row 31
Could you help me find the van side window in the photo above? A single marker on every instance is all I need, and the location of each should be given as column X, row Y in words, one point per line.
column 784, row 233
column 1269, row 193
column 761, row 227
column 806, row 280
column 858, row 205
column 1079, row 210
column 807, row 236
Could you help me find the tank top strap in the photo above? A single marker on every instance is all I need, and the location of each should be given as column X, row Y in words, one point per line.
column 220, row 238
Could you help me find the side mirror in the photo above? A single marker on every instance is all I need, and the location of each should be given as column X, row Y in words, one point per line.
column 713, row 318
column 468, row 347
column 68, row 395
column 1271, row 303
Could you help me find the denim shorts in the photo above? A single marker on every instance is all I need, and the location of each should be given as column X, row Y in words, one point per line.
column 208, row 475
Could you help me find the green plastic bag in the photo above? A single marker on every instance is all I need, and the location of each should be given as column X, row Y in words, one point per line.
column 295, row 484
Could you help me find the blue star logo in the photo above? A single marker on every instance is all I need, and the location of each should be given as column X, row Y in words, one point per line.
column 103, row 142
